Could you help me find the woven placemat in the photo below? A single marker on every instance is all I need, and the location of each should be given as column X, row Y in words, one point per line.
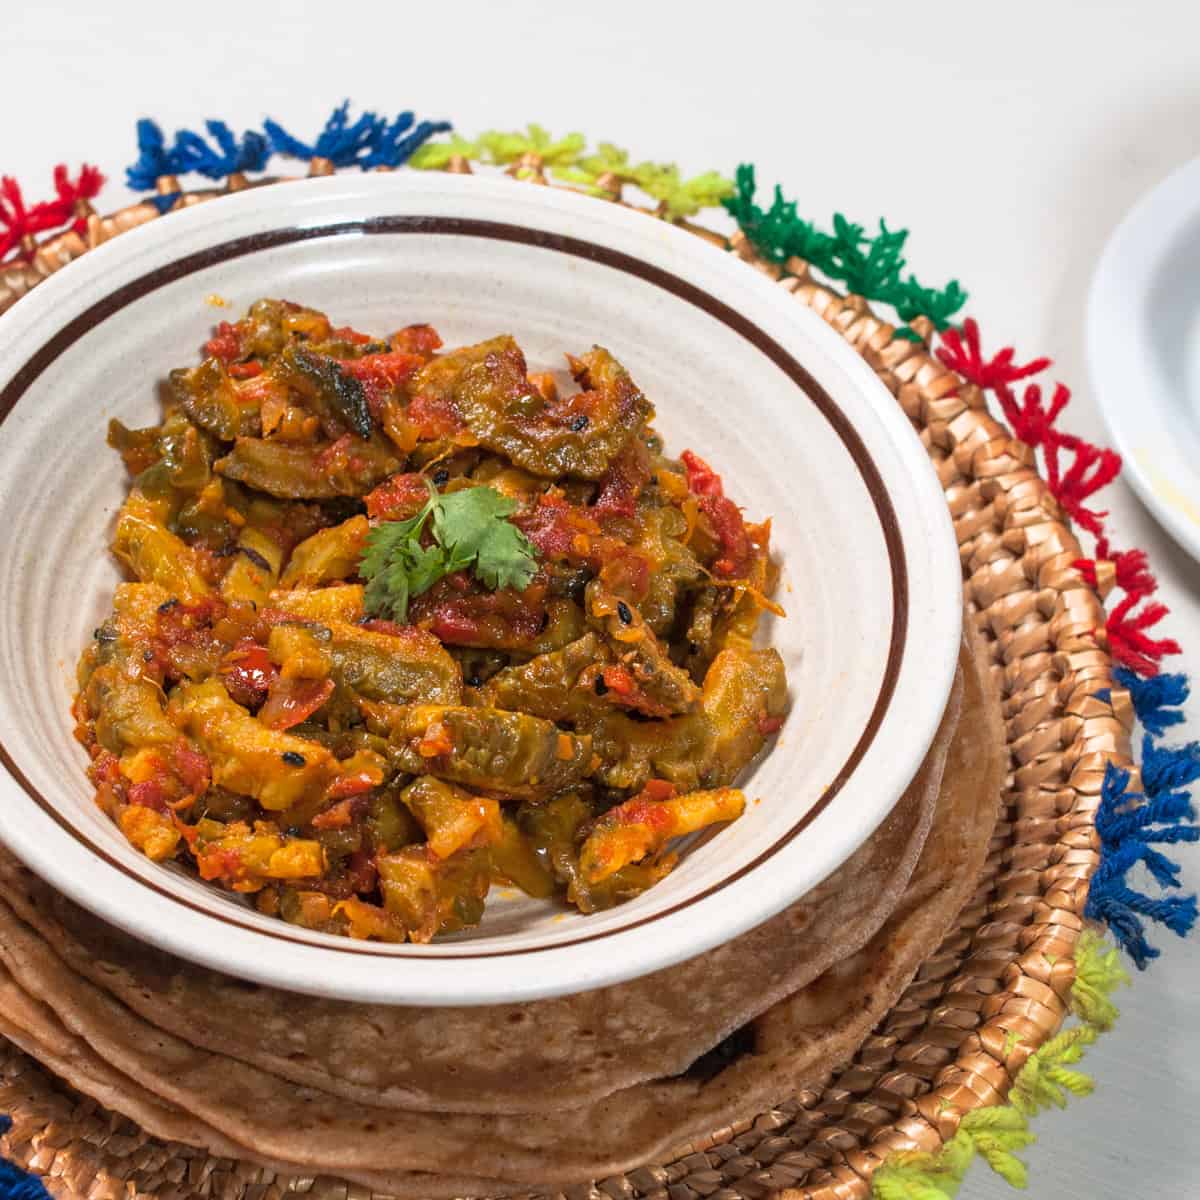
column 999, row 985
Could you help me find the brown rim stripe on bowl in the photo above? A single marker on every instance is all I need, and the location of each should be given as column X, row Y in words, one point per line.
column 88, row 320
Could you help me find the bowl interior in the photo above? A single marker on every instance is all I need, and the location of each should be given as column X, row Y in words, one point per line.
column 717, row 392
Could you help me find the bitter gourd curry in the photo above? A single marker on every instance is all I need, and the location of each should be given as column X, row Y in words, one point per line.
column 404, row 623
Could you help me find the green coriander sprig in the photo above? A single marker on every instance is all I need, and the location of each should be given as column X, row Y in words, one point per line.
column 470, row 529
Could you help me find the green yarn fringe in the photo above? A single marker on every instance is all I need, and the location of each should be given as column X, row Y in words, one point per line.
column 871, row 266
column 1048, row 1078
column 569, row 161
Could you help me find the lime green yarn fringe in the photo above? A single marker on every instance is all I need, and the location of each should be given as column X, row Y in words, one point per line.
column 869, row 265
column 1048, row 1078
column 569, row 160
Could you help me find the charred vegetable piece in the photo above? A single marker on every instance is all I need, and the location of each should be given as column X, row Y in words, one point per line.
column 507, row 752
column 154, row 554
column 333, row 393
column 745, row 699
column 211, row 399
column 496, row 402
column 255, row 568
column 245, row 858
column 516, row 860
column 632, row 752
column 451, row 817
column 402, row 666
column 428, row 895
column 642, row 677
column 347, row 467
column 127, row 708
column 490, row 393
column 391, row 825
column 548, row 685
column 556, row 830
column 328, row 555
column 673, row 566
column 275, row 768
column 645, row 824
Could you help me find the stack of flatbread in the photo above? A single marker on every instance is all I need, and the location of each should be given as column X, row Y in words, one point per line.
column 514, row 1098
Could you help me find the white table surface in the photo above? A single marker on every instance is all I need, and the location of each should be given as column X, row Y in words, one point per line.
column 1009, row 137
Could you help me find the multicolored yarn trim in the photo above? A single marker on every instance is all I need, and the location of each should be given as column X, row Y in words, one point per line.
column 368, row 141
column 1130, row 823
column 1047, row 1079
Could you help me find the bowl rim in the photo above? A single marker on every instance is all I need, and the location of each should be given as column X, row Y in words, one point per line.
column 1158, row 463
column 933, row 594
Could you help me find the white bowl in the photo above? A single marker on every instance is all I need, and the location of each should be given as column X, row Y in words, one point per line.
column 796, row 423
column 1143, row 316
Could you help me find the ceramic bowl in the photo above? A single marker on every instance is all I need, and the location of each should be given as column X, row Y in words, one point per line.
column 1143, row 353
column 796, row 423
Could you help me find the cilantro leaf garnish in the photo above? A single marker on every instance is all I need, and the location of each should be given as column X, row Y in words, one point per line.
column 470, row 529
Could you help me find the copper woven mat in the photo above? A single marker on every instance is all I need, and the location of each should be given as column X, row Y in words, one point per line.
column 997, row 987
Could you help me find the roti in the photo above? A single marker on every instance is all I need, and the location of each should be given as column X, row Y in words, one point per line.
column 34, row 1028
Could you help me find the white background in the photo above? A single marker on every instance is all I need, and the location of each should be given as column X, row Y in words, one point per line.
column 1009, row 137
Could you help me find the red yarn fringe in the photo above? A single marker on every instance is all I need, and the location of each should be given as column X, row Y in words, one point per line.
column 68, row 209
column 1075, row 471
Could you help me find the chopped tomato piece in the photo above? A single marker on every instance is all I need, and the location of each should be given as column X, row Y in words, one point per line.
column 623, row 482
column 417, row 339
column 248, row 672
column 225, row 344
column 290, row 701
column 191, row 767
column 456, row 614
column 380, row 375
column 398, row 498
column 723, row 515
column 389, row 368
column 148, row 794
column 434, row 417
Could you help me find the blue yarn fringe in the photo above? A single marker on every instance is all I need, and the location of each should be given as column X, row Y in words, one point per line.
column 230, row 156
column 190, row 152
column 1130, row 824
column 395, row 141
column 16, row 1184
column 154, row 159
column 369, row 141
